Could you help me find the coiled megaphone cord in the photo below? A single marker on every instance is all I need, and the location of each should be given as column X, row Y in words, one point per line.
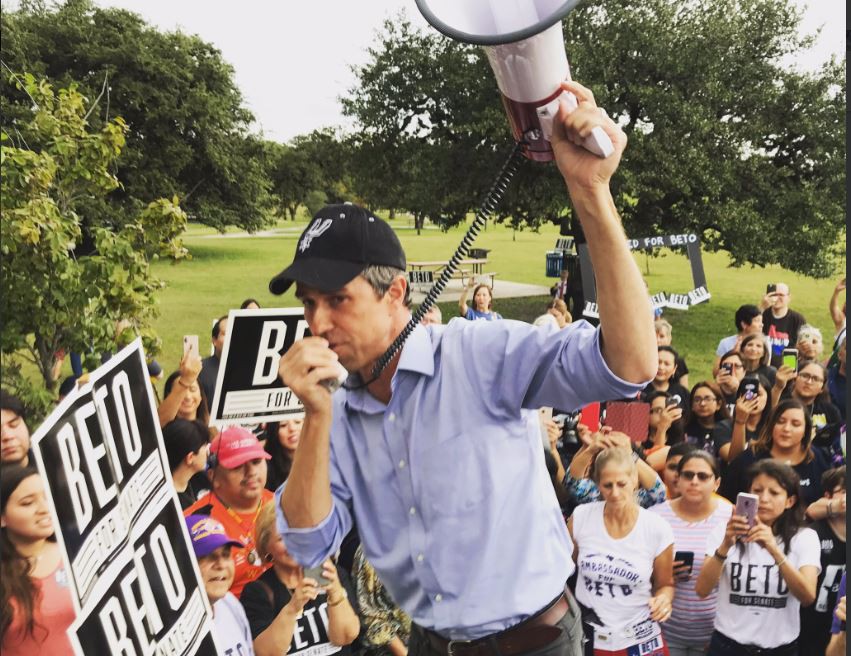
column 494, row 195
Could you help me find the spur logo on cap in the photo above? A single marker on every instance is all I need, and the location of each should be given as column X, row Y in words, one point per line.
column 313, row 232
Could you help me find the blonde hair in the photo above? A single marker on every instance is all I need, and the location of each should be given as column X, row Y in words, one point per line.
column 662, row 325
column 613, row 456
column 265, row 528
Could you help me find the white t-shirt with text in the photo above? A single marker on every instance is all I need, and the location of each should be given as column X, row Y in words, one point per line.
column 615, row 575
column 231, row 629
column 755, row 606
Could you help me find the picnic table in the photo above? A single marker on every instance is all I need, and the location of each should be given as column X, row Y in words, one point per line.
column 425, row 271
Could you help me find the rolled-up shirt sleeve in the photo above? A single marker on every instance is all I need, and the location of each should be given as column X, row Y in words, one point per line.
column 311, row 546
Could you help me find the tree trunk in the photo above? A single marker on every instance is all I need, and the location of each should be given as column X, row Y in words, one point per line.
column 46, row 357
column 392, row 214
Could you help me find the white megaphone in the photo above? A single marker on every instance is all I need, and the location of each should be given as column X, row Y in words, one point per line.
column 525, row 46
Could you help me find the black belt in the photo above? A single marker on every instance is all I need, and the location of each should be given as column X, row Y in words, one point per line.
column 754, row 650
column 532, row 633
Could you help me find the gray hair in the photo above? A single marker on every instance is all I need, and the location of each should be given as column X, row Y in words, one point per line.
column 380, row 277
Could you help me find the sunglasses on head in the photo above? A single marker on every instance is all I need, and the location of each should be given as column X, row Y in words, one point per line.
column 701, row 476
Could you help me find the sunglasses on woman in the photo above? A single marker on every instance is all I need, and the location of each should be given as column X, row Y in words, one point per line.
column 701, row 476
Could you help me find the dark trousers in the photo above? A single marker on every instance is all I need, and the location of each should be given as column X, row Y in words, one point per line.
column 721, row 645
column 568, row 644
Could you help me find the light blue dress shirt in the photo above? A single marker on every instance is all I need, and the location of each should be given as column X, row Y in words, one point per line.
column 447, row 482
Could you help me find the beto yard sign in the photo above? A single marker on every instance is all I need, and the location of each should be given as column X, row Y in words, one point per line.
column 131, row 569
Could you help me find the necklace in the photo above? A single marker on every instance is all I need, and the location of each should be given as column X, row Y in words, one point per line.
column 252, row 556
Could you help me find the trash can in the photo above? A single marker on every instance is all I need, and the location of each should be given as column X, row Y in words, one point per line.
column 554, row 262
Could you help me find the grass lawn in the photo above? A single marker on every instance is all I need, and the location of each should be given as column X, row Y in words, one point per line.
column 225, row 271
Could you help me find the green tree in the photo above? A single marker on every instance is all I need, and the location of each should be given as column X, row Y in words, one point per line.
column 54, row 298
column 189, row 129
column 726, row 140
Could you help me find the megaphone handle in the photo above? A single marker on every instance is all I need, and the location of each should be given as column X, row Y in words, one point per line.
column 598, row 141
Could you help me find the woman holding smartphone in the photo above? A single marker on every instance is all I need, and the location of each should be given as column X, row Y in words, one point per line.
column 692, row 515
column 787, row 437
column 764, row 570
column 290, row 611
column 623, row 555
column 753, row 407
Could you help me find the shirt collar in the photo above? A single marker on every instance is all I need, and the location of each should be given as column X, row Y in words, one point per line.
column 417, row 357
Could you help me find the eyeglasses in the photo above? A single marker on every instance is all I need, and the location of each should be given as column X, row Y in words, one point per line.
column 701, row 476
column 704, row 399
column 810, row 378
column 734, row 365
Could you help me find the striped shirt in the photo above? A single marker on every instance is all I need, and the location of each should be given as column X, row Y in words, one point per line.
column 693, row 618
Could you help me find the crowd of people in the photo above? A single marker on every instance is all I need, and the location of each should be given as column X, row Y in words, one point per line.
column 455, row 502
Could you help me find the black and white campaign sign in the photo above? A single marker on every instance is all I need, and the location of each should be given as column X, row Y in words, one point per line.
column 674, row 300
column 133, row 576
column 248, row 388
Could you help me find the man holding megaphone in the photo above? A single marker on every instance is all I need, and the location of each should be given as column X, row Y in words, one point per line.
column 434, row 457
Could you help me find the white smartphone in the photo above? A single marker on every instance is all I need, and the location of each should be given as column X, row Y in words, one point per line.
column 747, row 505
column 190, row 343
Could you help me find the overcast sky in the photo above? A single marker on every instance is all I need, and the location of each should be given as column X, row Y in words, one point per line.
column 292, row 58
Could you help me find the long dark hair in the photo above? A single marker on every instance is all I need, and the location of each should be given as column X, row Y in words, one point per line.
column 720, row 414
column 202, row 414
column 792, row 519
column 762, row 381
column 676, row 431
column 281, row 462
column 765, row 442
column 15, row 580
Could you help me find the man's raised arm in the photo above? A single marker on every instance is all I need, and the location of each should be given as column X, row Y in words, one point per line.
column 626, row 317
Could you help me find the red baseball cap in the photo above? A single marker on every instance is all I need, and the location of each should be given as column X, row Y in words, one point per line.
column 235, row 446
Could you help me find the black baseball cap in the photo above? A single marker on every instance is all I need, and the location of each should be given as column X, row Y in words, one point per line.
column 337, row 245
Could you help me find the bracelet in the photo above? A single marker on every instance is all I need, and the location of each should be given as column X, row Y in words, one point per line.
column 741, row 423
column 182, row 384
column 718, row 555
column 339, row 601
column 785, row 558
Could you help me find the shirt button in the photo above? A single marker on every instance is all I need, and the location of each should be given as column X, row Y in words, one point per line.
column 392, row 416
column 438, row 598
column 413, row 510
column 420, row 558
column 402, row 463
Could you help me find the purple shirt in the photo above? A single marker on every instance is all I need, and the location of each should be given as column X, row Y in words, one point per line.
column 447, row 482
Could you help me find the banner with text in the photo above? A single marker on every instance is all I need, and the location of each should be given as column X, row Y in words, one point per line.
column 131, row 569
column 248, row 388
column 678, row 301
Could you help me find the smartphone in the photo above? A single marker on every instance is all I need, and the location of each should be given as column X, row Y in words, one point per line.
column 728, row 367
column 771, row 288
column 546, row 413
column 790, row 358
column 749, row 389
column 316, row 574
column 673, row 400
column 746, row 506
column 190, row 343
column 687, row 558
